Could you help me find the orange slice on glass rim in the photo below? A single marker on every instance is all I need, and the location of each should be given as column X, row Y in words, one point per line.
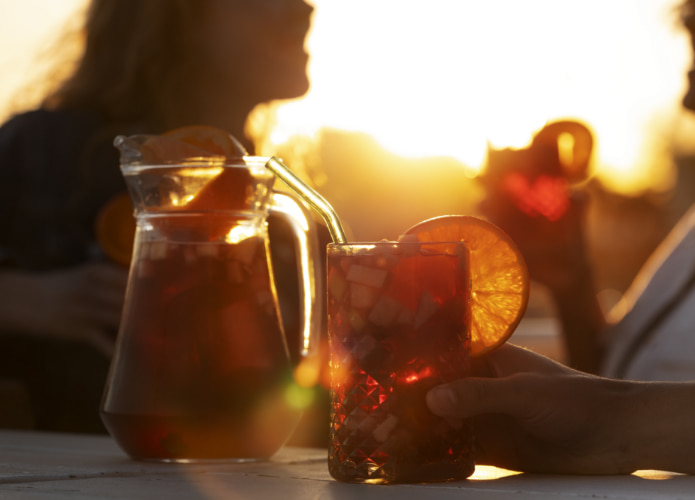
column 499, row 276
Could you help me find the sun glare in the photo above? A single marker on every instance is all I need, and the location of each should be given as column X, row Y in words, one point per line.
column 28, row 30
column 447, row 77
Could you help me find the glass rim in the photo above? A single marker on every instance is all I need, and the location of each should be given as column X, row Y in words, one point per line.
column 372, row 245
column 202, row 160
column 385, row 242
column 255, row 163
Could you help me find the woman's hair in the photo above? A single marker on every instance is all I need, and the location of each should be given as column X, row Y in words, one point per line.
column 686, row 9
column 133, row 63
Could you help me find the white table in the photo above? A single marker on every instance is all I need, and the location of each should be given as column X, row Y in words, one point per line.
column 43, row 465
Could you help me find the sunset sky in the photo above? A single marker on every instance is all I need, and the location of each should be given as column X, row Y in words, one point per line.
column 27, row 29
column 444, row 77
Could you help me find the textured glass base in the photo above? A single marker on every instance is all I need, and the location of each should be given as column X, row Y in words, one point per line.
column 370, row 472
column 406, row 444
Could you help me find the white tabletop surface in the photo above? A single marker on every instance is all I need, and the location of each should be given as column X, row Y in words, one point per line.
column 44, row 465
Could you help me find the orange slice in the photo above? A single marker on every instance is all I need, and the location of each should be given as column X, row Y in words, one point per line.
column 219, row 188
column 499, row 277
column 229, row 187
column 161, row 150
column 115, row 229
column 190, row 143
column 210, row 139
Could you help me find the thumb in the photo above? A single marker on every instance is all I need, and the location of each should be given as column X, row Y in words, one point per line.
column 474, row 396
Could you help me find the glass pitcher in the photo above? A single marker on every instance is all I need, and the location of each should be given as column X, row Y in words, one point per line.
column 201, row 366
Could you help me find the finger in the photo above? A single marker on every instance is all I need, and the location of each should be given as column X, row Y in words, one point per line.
column 108, row 318
column 106, row 299
column 109, row 276
column 481, row 367
column 97, row 337
column 509, row 359
column 107, row 285
column 475, row 396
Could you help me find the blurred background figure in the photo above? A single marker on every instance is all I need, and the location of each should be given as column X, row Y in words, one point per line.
column 529, row 192
column 649, row 335
column 146, row 67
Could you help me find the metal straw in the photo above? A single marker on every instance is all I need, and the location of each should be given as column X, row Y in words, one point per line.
column 314, row 199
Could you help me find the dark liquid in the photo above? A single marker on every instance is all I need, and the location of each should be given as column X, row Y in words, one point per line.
column 245, row 418
column 398, row 325
column 201, row 365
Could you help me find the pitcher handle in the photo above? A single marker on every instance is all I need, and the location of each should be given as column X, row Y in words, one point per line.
column 308, row 263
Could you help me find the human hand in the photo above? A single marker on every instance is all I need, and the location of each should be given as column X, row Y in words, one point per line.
column 79, row 304
column 534, row 415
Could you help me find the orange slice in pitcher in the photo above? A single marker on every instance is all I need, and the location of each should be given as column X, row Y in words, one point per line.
column 229, row 187
column 115, row 229
column 210, row 139
column 206, row 149
column 191, row 143
column 161, row 150
column 499, row 277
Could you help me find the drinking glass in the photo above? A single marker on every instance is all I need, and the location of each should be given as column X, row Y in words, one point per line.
column 398, row 324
